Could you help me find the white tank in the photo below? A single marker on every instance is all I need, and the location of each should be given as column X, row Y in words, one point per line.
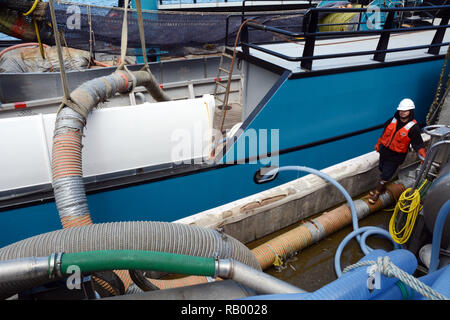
column 115, row 139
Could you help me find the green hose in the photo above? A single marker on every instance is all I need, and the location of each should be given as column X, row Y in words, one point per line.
column 92, row 261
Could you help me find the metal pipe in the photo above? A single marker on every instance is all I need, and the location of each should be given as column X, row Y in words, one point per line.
column 22, row 274
column 259, row 281
column 23, row 269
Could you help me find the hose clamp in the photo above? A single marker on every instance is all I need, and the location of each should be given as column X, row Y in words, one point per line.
column 224, row 268
column 216, row 264
column 313, row 230
column 362, row 209
column 51, row 266
column 58, row 264
column 385, row 199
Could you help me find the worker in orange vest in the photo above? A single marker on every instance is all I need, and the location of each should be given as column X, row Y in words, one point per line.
column 398, row 134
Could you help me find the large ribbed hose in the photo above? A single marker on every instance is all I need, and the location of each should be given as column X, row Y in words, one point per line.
column 70, row 195
column 142, row 235
column 69, row 190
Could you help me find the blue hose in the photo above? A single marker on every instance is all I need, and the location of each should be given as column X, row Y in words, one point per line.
column 437, row 236
column 366, row 231
column 353, row 285
column 323, row 176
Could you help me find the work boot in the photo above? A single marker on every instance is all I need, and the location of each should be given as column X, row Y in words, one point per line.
column 375, row 194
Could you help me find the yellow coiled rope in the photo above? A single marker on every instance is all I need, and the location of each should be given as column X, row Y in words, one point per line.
column 408, row 204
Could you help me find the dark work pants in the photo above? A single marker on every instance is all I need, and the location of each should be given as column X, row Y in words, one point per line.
column 387, row 169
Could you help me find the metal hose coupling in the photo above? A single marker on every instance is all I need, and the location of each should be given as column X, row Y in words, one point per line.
column 21, row 270
column 254, row 279
column 54, row 265
column 17, row 275
column 224, row 268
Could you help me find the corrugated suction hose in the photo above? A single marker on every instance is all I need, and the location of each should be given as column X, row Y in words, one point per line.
column 70, row 195
column 141, row 235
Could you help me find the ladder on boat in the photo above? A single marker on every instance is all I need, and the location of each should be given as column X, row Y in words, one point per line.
column 222, row 96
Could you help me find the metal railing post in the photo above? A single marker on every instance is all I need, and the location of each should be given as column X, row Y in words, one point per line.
column 384, row 38
column 244, row 32
column 310, row 42
column 439, row 35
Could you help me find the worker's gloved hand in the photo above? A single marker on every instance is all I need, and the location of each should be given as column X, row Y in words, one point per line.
column 422, row 152
column 377, row 147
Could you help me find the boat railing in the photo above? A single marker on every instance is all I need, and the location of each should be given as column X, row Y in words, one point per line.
column 163, row 2
column 241, row 17
column 310, row 34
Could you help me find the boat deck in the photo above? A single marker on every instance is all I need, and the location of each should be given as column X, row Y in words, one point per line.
column 346, row 45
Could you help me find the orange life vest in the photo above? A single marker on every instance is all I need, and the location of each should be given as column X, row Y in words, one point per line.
column 397, row 141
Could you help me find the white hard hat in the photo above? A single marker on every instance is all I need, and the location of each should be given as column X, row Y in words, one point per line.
column 406, row 104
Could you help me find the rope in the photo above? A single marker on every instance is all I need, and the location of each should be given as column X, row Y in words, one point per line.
column 123, row 50
column 62, row 70
column 142, row 33
column 385, row 266
column 124, row 40
column 408, row 203
column 91, row 38
column 436, row 105
column 142, row 38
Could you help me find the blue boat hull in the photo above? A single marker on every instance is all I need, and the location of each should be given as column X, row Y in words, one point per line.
column 322, row 119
